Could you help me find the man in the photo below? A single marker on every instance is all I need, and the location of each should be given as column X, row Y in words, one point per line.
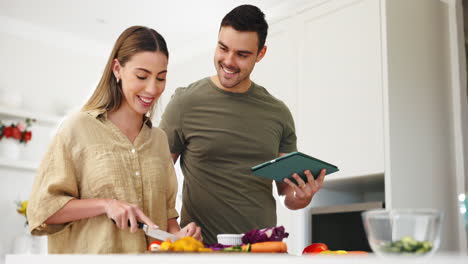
column 223, row 125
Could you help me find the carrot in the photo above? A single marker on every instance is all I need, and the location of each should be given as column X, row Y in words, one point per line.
column 267, row 247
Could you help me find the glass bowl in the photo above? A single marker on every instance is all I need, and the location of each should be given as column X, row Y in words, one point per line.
column 409, row 232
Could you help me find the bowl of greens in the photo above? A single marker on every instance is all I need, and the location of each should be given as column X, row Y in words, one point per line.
column 405, row 232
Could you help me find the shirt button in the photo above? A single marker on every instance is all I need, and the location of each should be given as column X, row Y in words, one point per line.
column 133, row 151
column 137, row 173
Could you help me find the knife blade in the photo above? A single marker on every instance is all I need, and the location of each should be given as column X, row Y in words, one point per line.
column 154, row 233
column 158, row 233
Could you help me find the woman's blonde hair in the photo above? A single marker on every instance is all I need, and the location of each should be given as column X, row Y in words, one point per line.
column 108, row 94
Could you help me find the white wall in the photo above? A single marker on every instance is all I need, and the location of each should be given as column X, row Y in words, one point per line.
column 51, row 79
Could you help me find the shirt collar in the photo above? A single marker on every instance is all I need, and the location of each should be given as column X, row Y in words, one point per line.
column 102, row 114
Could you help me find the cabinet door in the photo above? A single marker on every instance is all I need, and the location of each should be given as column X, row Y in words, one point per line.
column 277, row 71
column 339, row 109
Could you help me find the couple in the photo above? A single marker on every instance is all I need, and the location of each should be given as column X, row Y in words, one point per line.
column 108, row 162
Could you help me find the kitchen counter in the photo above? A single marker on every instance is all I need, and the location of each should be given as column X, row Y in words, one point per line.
column 226, row 258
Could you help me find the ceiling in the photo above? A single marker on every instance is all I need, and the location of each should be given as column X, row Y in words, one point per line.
column 101, row 21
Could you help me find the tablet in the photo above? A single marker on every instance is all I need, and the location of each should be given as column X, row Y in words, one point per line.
column 295, row 162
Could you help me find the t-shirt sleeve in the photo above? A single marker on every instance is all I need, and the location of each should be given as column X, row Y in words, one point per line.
column 54, row 185
column 171, row 122
column 171, row 191
column 288, row 139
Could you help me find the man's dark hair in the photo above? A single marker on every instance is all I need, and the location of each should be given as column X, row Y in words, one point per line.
column 248, row 18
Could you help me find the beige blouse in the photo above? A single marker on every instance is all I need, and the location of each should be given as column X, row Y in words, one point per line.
column 91, row 158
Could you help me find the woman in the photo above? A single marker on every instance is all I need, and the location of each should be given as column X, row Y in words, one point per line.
column 107, row 162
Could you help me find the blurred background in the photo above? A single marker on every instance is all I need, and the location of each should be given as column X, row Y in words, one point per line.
column 377, row 87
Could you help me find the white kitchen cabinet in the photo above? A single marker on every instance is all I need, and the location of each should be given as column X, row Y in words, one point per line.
column 277, row 71
column 324, row 62
column 370, row 85
column 339, row 91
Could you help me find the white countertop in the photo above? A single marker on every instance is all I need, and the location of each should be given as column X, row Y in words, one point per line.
column 226, row 258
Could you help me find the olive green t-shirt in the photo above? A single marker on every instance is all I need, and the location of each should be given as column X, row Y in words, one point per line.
column 220, row 136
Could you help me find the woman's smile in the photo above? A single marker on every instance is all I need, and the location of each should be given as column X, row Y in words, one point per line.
column 145, row 101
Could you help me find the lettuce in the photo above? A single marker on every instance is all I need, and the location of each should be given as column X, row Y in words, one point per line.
column 267, row 234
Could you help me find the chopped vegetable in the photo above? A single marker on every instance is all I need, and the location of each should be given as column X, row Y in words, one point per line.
column 315, row 248
column 237, row 248
column 407, row 245
column 322, row 249
column 217, row 246
column 189, row 244
column 268, row 234
column 154, row 246
column 166, row 246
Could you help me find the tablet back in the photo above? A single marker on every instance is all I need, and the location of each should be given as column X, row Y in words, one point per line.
column 295, row 162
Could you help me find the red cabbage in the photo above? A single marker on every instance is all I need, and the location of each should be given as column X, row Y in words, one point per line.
column 267, row 234
column 217, row 246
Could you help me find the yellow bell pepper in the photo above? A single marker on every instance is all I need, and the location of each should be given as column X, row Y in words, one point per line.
column 185, row 244
column 166, row 246
column 333, row 252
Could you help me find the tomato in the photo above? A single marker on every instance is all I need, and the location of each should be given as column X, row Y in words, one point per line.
column 315, row 248
column 154, row 246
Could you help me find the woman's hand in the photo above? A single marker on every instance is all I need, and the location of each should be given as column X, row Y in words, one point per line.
column 124, row 213
column 190, row 230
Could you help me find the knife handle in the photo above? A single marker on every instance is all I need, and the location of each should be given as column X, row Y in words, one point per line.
column 140, row 224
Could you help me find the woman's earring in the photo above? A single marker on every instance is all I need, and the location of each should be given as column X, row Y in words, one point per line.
column 118, row 80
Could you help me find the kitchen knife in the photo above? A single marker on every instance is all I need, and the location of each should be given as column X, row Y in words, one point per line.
column 155, row 233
